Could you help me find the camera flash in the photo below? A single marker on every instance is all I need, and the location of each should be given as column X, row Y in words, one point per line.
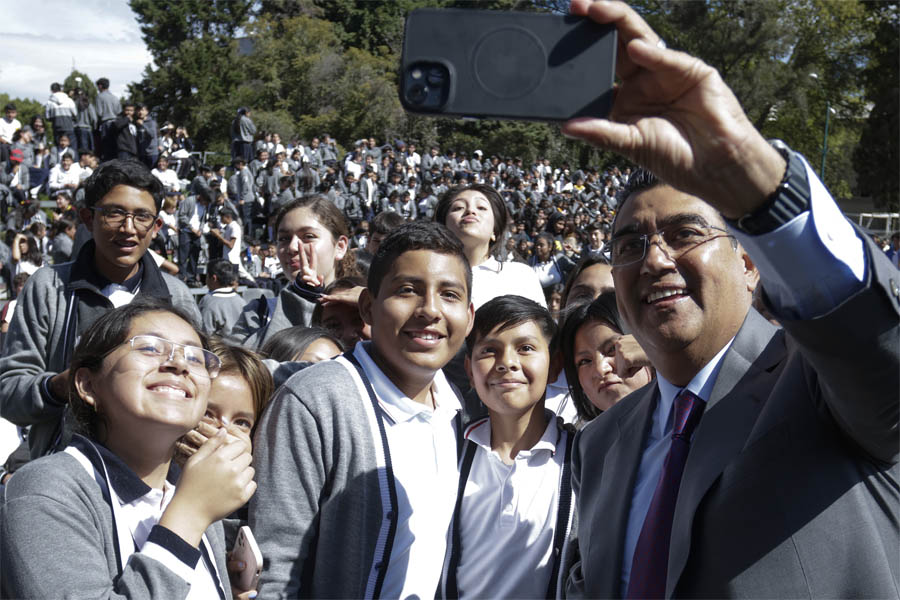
column 416, row 73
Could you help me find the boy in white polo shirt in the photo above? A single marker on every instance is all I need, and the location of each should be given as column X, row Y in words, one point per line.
column 356, row 458
column 514, row 509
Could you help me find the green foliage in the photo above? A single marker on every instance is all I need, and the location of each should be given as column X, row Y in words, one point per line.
column 198, row 68
column 316, row 66
column 765, row 50
column 877, row 155
column 27, row 108
column 86, row 83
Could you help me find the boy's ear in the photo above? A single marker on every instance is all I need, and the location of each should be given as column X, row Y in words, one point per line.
column 468, row 366
column 365, row 305
column 471, row 319
column 84, row 384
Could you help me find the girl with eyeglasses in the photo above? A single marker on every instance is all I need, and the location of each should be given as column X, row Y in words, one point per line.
column 105, row 517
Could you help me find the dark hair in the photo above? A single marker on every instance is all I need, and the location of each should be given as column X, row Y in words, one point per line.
column 33, row 254
column 103, row 83
column 9, row 106
column 498, row 207
column 121, row 172
column 289, row 343
column 20, row 279
column 343, row 283
column 363, row 260
column 223, row 271
column 604, row 310
column 105, row 335
column 587, row 261
column 227, row 212
column 639, row 181
column 55, row 87
column 505, row 312
column 331, row 217
column 246, row 364
column 387, row 221
column 416, row 236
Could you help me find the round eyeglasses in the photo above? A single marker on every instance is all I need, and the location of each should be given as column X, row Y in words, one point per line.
column 114, row 217
column 199, row 361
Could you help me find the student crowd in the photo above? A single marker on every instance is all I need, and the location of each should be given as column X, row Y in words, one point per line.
column 449, row 375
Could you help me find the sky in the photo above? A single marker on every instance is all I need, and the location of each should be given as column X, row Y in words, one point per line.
column 43, row 38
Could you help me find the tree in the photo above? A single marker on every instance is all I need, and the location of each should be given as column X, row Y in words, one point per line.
column 877, row 155
column 86, row 84
column 765, row 51
column 197, row 64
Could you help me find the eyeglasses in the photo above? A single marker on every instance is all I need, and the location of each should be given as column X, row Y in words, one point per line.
column 115, row 217
column 200, row 362
column 629, row 248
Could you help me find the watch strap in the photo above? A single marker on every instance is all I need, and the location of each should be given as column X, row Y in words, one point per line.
column 790, row 199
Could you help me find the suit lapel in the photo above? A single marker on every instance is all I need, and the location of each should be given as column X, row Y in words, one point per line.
column 620, row 467
column 742, row 385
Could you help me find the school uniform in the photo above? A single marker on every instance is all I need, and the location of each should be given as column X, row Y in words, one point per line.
column 356, row 483
column 512, row 524
column 81, row 523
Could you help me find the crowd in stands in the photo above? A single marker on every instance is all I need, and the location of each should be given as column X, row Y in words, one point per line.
column 405, row 369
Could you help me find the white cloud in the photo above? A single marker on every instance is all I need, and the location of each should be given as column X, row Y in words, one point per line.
column 100, row 37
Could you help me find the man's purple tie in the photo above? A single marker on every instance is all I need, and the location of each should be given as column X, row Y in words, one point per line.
column 651, row 554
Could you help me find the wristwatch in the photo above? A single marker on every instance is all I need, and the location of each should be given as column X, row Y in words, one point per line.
column 790, row 199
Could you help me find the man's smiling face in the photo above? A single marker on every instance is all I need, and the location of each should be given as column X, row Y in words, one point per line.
column 695, row 302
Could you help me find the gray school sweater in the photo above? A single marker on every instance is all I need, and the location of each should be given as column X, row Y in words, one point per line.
column 57, row 540
column 290, row 310
column 220, row 310
column 322, row 505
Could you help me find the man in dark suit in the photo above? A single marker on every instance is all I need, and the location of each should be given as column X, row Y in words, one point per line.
column 762, row 462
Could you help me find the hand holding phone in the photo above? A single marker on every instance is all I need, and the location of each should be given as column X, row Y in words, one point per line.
column 247, row 552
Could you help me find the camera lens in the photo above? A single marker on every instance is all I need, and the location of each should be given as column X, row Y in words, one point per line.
column 417, row 93
column 436, row 76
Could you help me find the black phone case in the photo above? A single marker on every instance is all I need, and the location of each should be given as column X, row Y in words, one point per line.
column 514, row 65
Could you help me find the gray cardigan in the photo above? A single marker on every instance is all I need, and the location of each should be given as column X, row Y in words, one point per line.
column 57, row 540
column 43, row 331
column 290, row 310
column 322, row 506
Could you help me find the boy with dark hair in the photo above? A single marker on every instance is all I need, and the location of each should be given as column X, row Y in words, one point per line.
column 122, row 200
column 221, row 307
column 514, row 509
column 356, row 457
column 382, row 225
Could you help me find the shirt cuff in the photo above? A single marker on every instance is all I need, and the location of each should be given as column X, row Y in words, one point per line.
column 47, row 395
column 177, row 555
column 811, row 264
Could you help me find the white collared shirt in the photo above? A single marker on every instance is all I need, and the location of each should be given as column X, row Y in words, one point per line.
column 423, row 451
column 508, row 517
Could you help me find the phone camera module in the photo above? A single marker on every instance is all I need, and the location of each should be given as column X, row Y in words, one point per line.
column 426, row 86
column 417, row 93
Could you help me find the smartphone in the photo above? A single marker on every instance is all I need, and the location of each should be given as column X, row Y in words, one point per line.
column 506, row 65
column 246, row 551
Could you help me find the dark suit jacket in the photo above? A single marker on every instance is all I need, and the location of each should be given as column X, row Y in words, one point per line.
column 792, row 486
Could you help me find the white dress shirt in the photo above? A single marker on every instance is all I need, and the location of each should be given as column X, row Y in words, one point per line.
column 508, row 517
column 422, row 444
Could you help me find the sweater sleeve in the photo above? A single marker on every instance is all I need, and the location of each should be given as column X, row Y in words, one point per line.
column 27, row 362
column 56, row 542
column 289, row 458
